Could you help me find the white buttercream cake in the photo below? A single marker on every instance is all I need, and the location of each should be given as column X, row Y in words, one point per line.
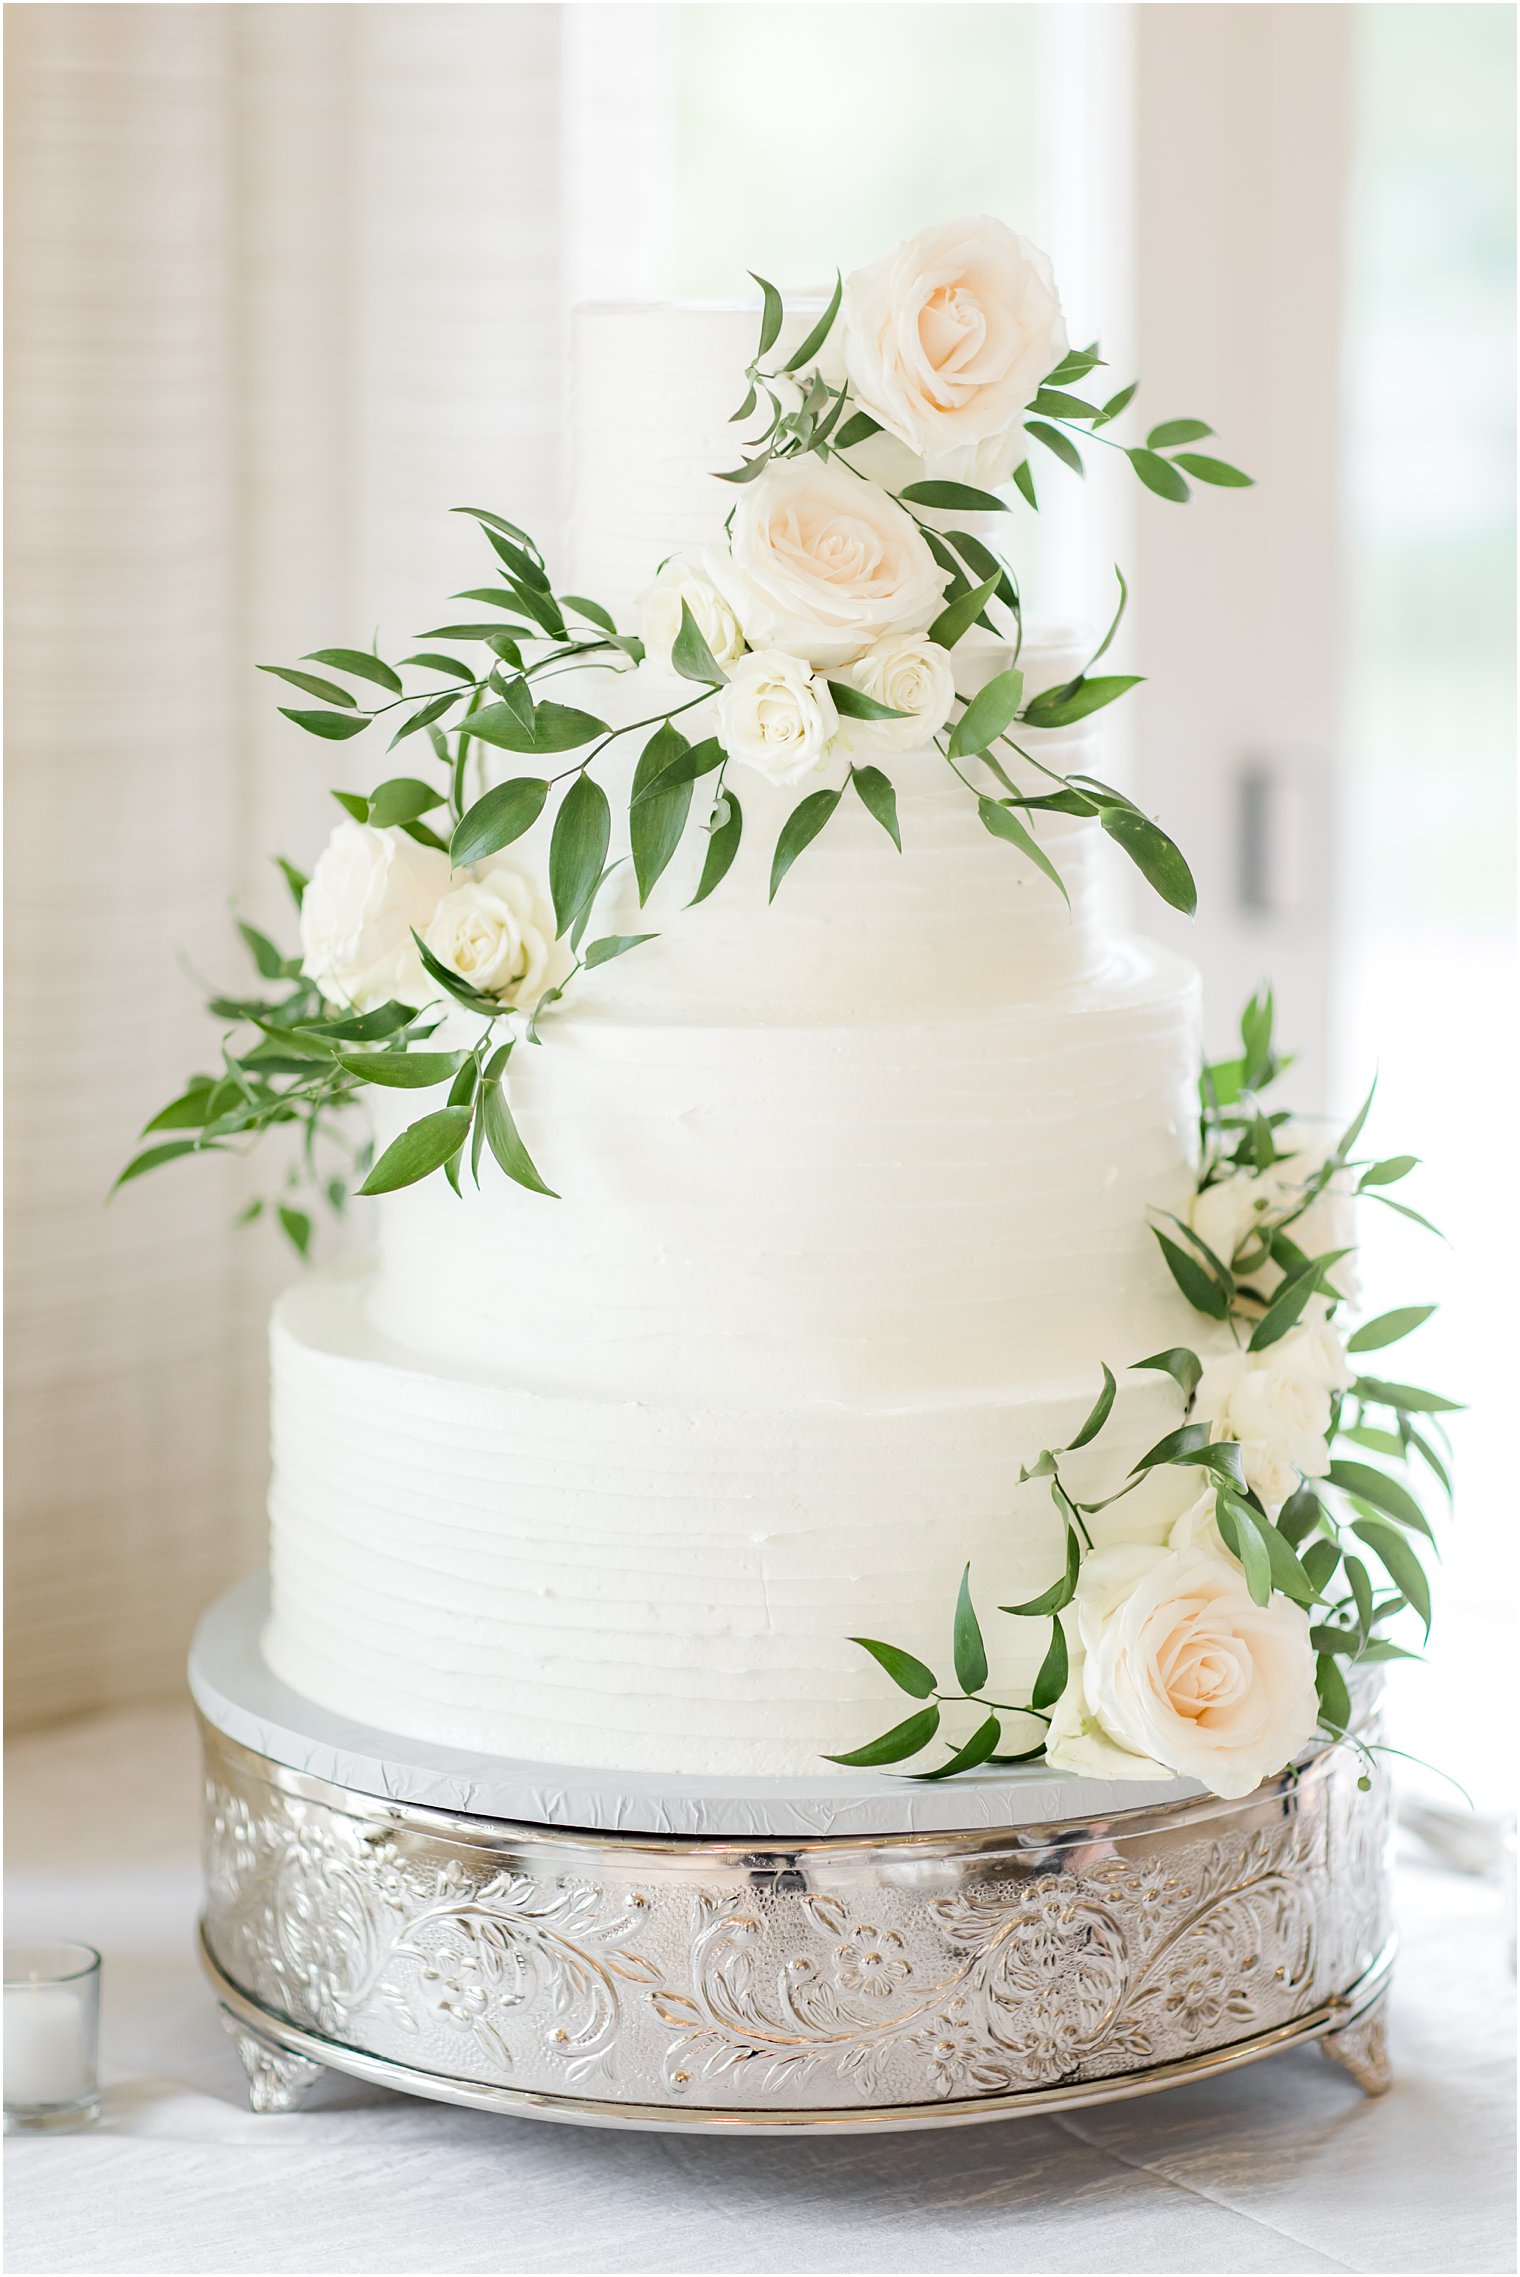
column 855, row 1202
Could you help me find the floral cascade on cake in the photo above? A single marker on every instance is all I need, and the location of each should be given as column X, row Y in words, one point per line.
column 862, row 1187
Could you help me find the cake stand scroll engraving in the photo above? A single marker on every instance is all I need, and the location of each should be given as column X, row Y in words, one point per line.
column 896, row 1976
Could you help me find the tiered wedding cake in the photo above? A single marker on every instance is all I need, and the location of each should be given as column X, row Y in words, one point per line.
column 896, row 1271
column 855, row 1201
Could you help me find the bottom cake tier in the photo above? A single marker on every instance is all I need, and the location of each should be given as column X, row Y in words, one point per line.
column 631, row 1585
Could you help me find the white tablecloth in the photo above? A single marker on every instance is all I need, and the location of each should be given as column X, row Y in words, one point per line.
column 1281, row 2167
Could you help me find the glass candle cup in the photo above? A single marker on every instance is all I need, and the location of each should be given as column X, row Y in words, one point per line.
column 52, row 2036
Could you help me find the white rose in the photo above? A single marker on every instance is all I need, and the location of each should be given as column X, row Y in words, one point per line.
column 823, row 563
column 913, row 676
column 946, row 340
column 660, row 621
column 775, row 717
column 1277, row 1406
column 1226, row 1214
column 1198, row 1527
column 495, row 932
column 369, row 891
column 1176, row 1666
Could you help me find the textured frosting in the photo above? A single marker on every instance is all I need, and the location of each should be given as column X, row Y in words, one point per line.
column 866, row 1209
column 652, row 389
column 664, row 1584
column 855, row 1201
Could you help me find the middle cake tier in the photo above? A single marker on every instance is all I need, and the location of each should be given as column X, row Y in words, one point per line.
column 887, row 1208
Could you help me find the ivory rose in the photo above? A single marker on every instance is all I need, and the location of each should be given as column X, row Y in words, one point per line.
column 947, row 339
column 774, row 716
column 823, row 563
column 370, row 889
column 1276, row 1403
column 494, row 932
column 1226, row 1214
column 660, row 620
column 1175, row 1670
column 912, row 675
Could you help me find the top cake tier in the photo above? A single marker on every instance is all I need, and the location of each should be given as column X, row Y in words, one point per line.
column 653, row 385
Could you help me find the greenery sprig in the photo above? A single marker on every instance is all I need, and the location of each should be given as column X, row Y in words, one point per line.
column 1349, row 1547
column 280, row 1062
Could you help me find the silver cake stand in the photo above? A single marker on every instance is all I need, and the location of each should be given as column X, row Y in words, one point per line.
column 864, row 1953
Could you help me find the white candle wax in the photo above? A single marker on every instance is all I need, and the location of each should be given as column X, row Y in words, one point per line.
column 47, row 2056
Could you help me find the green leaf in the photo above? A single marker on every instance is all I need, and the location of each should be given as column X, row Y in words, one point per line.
column 1408, row 1398
column 1023, row 483
column 982, row 1743
column 1423, row 1447
column 902, row 1740
column 657, row 816
column 820, row 331
column 498, row 818
column 1055, row 403
column 770, row 317
column 325, row 691
column 1055, row 440
column 879, row 799
column 1389, row 1171
column 1239, row 1535
column 1287, row 1306
column 1003, row 824
column 360, row 663
column 1287, row 1573
column 691, row 656
column 450, row 982
column 578, row 849
column 297, row 1228
column 1217, row 471
column 1102, row 1408
column 1384, row 1493
column 854, row 703
column 422, row 1147
column 990, row 713
column 799, row 830
column 1184, row 1367
column 1392, row 1550
column 1106, row 643
column 295, row 879
column 959, row 495
column 1060, row 1592
column 400, row 800
column 505, row 1141
column 970, row 1652
column 555, row 727
column 1388, row 1328
column 187, row 1113
column 959, row 615
column 1320, row 1560
column 1334, row 1699
column 1117, row 403
column 614, row 945
column 1159, row 475
column 266, row 957
column 858, row 428
column 685, row 764
column 429, row 661
column 1171, row 432
column 333, row 727
column 592, row 611
column 984, row 563
column 909, row 1674
column 722, row 846
column 1050, row 1682
column 402, row 1071
column 1061, row 707
column 1200, row 1288
column 1160, row 861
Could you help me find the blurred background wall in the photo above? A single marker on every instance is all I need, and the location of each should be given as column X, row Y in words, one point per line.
column 285, row 283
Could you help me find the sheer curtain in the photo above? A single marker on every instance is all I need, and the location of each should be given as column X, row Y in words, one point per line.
column 283, row 285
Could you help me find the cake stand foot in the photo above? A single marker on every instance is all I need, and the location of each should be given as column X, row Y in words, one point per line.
column 276, row 2081
column 1361, row 2047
